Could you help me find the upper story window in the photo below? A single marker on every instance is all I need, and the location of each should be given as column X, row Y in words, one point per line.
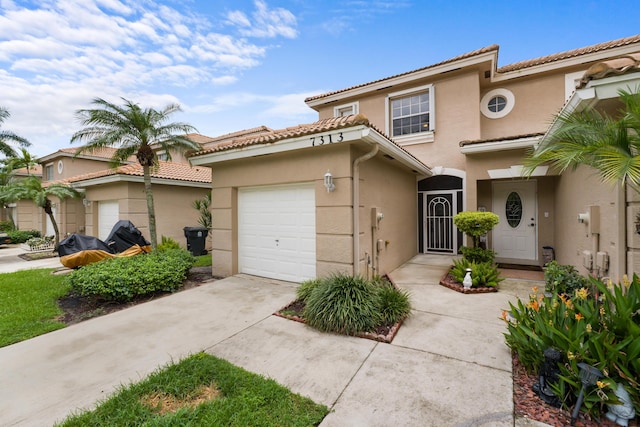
column 346, row 109
column 497, row 103
column 163, row 156
column 411, row 115
column 48, row 173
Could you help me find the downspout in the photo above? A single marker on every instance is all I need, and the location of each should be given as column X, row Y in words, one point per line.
column 356, row 207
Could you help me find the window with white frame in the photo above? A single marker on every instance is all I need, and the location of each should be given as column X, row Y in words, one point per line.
column 345, row 110
column 163, row 156
column 48, row 172
column 411, row 114
column 497, row 103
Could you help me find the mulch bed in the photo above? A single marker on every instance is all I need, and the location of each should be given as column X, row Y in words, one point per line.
column 383, row 333
column 529, row 405
column 449, row 282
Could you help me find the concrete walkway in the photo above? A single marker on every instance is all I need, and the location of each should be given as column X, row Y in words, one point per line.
column 448, row 365
column 10, row 261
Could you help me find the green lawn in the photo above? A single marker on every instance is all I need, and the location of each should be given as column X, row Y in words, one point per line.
column 28, row 304
column 203, row 261
column 203, row 390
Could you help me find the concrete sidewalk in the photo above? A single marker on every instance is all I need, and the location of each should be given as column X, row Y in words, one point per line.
column 10, row 261
column 448, row 365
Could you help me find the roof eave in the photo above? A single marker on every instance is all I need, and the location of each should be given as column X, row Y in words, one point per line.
column 491, row 56
column 490, row 147
column 118, row 177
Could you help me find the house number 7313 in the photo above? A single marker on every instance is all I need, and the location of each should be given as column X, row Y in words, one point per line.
column 326, row 139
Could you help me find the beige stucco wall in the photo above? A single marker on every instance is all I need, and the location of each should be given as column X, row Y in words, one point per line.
column 388, row 187
column 537, row 100
column 393, row 192
column 173, row 206
column 575, row 192
column 73, row 167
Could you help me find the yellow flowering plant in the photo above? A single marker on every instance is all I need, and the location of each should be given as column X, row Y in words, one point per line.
column 598, row 324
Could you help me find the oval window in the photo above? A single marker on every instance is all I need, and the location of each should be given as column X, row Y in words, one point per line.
column 513, row 209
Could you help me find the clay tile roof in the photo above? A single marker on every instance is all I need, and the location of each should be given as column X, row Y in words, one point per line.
column 613, row 67
column 493, row 47
column 199, row 138
column 570, row 54
column 291, row 132
column 165, row 170
column 508, row 138
column 33, row 170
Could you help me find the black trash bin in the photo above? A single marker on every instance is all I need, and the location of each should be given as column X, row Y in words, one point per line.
column 196, row 237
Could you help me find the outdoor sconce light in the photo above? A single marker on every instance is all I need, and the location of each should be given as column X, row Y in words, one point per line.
column 588, row 376
column 86, row 203
column 328, row 182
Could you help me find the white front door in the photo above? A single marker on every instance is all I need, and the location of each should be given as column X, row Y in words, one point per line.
column 277, row 231
column 515, row 236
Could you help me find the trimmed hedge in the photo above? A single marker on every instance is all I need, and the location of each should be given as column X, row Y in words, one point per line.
column 123, row 279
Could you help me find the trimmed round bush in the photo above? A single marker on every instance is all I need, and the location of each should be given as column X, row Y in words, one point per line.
column 123, row 279
column 343, row 304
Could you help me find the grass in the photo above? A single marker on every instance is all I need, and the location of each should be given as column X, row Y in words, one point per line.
column 28, row 304
column 203, row 261
column 202, row 390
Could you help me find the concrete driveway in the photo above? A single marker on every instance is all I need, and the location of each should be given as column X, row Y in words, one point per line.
column 448, row 365
column 10, row 261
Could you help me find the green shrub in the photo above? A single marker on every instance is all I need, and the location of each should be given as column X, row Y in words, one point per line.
column 475, row 224
column 168, row 243
column 305, row 289
column 5, row 226
column 562, row 279
column 478, row 254
column 124, row 278
column 343, row 304
column 602, row 330
column 483, row 274
column 393, row 303
column 21, row 236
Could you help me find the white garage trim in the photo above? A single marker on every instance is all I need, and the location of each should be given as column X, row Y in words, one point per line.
column 277, row 231
column 108, row 215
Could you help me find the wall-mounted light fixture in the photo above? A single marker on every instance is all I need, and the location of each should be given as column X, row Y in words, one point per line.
column 328, row 182
column 86, row 203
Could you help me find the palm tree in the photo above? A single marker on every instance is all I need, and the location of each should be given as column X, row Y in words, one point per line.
column 133, row 130
column 611, row 145
column 7, row 136
column 31, row 188
column 24, row 159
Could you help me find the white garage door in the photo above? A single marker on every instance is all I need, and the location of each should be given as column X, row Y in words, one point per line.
column 277, row 232
column 108, row 215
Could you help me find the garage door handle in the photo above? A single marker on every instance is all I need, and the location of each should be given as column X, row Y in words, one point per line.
column 277, row 242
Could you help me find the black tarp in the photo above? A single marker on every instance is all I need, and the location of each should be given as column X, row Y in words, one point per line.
column 124, row 235
column 79, row 242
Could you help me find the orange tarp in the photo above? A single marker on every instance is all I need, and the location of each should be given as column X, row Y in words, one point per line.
column 95, row 255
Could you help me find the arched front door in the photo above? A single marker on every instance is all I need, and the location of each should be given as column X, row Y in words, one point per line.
column 439, row 200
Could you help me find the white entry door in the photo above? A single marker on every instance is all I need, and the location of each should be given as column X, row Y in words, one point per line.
column 515, row 237
column 277, row 232
column 108, row 215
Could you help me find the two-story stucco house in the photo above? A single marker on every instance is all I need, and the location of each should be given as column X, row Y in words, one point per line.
column 111, row 194
column 389, row 163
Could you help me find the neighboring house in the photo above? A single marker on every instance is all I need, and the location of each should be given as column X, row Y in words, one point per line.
column 22, row 212
column 113, row 194
column 467, row 118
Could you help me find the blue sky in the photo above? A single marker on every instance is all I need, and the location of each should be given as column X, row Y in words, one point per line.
column 238, row 64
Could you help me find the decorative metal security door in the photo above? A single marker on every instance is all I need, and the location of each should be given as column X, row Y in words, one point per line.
column 439, row 210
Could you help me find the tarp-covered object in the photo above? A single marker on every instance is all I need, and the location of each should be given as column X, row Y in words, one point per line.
column 124, row 240
column 78, row 250
column 125, row 235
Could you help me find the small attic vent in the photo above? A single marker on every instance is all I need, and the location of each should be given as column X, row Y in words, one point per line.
column 487, row 74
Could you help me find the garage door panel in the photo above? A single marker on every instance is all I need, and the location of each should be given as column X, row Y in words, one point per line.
column 276, row 232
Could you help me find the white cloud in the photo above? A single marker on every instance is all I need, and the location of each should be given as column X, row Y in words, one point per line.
column 266, row 23
column 57, row 56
